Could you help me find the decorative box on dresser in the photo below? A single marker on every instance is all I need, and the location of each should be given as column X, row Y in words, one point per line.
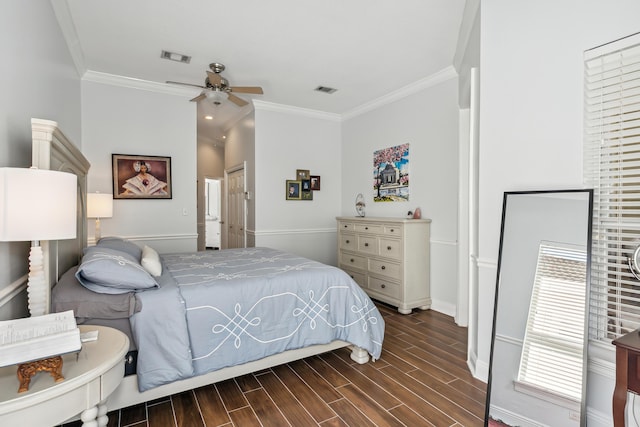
column 388, row 258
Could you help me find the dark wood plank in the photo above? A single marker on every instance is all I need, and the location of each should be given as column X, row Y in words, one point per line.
column 185, row 409
column 289, row 403
column 231, row 395
column 350, row 414
column 266, row 411
column 303, row 393
column 377, row 393
column 368, row 406
column 320, row 386
column 161, row 415
column 213, row 411
column 244, row 417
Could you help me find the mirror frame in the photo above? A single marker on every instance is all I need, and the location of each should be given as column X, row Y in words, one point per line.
column 506, row 196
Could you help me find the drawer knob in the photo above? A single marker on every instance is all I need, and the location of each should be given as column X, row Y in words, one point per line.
column 392, row 230
column 351, row 260
column 345, row 226
column 366, row 244
column 346, row 241
column 383, row 286
column 366, row 228
column 383, row 267
column 388, row 248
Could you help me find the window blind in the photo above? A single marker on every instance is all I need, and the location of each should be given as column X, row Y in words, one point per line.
column 612, row 169
column 553, row 346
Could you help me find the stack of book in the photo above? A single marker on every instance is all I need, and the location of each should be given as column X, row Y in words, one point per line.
column 34, row 338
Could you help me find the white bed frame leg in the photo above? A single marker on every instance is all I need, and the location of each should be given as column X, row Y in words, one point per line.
column 359, row 355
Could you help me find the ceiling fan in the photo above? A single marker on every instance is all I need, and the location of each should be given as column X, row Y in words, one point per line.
column 217, row 89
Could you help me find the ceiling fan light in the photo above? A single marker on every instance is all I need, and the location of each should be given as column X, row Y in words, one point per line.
column 216, row 97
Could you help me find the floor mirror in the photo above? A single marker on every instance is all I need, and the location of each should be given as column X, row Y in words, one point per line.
column 537, row 370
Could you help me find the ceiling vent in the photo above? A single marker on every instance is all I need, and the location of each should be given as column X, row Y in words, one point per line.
column 178, row 57
column 325, row 89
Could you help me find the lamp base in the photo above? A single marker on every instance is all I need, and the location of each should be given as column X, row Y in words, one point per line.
column 37, row 289
column 98, row 234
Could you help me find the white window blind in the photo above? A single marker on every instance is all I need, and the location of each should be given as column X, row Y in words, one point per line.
column 553, row 347
column 612, row 168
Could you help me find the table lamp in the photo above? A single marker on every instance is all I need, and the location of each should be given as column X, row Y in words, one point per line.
column 35, row 205
column 99, row 205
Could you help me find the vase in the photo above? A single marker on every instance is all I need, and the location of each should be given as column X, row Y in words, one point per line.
column 417, row 214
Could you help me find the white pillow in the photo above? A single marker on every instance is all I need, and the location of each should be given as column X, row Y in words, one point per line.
column 151, row 261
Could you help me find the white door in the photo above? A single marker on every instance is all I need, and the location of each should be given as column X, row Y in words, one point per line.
column 212, row 212
column 237, row 211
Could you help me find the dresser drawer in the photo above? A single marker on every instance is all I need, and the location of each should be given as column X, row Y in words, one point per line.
column 355, row 261
column 391, row 248
column 348, row 241
column 392, row 230
column 368, row 244
column 384, row 268
column 359, row 278
column 345, row 226
column 386, row 287
column 369, row 228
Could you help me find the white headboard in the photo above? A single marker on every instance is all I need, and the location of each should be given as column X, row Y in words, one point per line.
column 51, row 149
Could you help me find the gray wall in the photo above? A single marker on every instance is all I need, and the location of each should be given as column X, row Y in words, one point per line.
column 37, row 80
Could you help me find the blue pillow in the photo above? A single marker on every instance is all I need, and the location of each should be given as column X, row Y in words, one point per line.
column 109, row 271
column 120, row 244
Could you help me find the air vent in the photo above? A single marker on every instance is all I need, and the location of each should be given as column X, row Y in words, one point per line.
column 172, row 56
column 325, row 89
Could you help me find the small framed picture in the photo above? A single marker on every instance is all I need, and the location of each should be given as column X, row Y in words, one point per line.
column 293, row 189
column 141, row 177
column 315, row 182
column 306, row 185
column 302, row 174
column 307, row 195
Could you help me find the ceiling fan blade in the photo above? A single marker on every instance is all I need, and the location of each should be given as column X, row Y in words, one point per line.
column 214, row 78
column 247, row 89
column 183, row 84
column 238, row 101
column 199, row 97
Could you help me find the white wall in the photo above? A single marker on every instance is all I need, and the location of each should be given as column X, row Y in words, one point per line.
column 428, row 121
column 37, row 79
column 288, row 139
column 123, row 120
column 531, row 122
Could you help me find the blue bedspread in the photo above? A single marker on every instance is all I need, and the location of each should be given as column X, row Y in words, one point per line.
column 220, row 308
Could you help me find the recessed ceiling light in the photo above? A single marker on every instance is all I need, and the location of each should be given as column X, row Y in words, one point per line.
column 172, row 56
column 325, row 89
column 208, row 117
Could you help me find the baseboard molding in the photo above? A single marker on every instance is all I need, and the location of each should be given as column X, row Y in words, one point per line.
column 444, row 308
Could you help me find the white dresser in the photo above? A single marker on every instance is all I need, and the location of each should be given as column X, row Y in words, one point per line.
column 388, row 258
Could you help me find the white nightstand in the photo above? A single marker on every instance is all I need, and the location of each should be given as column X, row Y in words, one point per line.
column 90, row 376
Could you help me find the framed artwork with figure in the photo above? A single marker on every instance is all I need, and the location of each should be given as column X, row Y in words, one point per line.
column 293, row 190
column 141, row 177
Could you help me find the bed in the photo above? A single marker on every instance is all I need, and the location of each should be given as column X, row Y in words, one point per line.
column 232, row 312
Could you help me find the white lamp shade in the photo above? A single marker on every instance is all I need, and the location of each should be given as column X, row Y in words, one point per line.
column 37, row 204
column 99, row 205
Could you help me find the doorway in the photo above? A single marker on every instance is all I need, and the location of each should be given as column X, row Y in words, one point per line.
column 212, row 213
column 237, row 210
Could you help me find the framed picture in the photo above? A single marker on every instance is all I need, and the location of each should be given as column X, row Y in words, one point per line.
column 307, row 195
column 302, row 174
column 293, row 189
column 141, row 177
column 306, row 185
column 315, row 182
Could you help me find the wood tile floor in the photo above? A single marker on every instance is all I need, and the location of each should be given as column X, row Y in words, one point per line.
column 421, row 379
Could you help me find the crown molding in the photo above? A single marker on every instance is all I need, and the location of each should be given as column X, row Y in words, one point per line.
column 427, row 82
column 288, row 109
column 129, row 82
column 65, row 22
